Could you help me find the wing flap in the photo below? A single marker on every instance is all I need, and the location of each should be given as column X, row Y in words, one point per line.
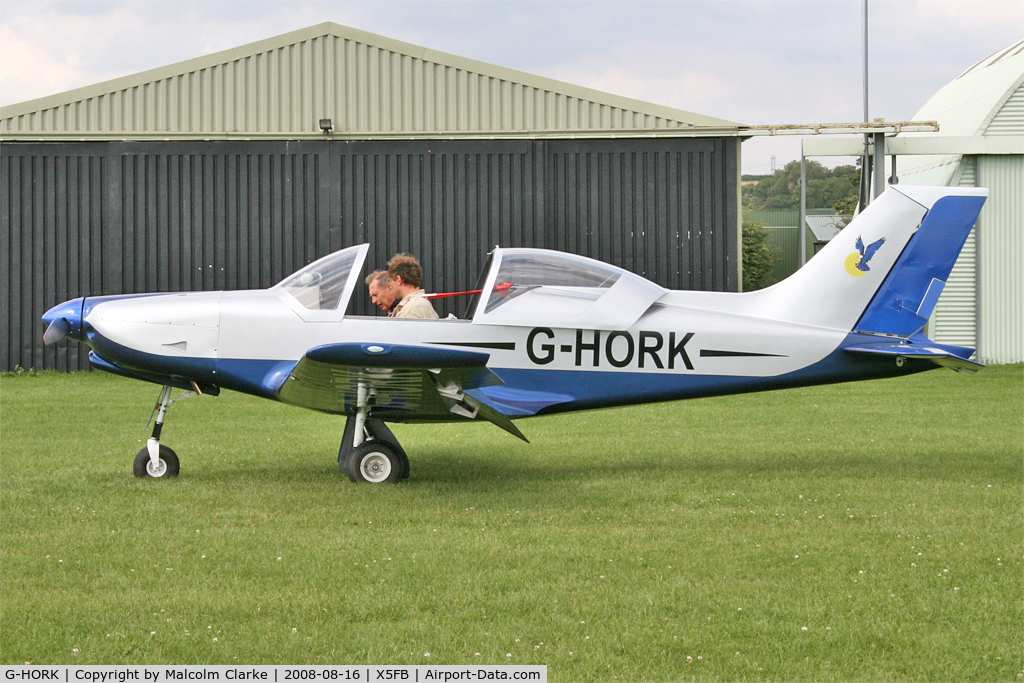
column 405, row 383
column 513, row 401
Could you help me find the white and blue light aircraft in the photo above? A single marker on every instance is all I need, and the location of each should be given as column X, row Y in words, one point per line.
column 547, row 332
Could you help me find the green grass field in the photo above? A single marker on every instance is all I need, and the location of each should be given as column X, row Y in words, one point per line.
column 867, row 531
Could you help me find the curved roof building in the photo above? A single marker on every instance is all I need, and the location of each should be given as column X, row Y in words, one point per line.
column 986, row 101
column 981, row 122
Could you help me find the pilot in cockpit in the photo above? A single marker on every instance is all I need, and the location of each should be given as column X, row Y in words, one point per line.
column 405, row 277
column 380, row 291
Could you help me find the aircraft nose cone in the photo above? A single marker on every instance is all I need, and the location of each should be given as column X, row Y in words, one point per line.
column 64, row 320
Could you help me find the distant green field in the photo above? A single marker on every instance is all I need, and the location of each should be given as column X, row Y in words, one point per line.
column 866, row 531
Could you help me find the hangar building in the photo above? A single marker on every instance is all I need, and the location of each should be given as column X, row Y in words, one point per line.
column 980, row 143
column 232, row 170
column 981, row 120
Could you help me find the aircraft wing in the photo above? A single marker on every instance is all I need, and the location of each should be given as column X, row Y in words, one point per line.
column 404, row 383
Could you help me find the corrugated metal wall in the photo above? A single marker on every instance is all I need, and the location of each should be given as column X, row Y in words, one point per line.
column 649, row 209
column 448, row 203
column 982, row 305
column 1009, row 120
column 784, row 218
column 955, row 317
column 1000, row 246
column 363, row 87
column 83, row 219
column 52, row 221
column 1000, row 313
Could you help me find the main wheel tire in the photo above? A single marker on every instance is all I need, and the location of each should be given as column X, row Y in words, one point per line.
column 377, row 431
column 168, row 465
column 375, row 462
column 404, row 474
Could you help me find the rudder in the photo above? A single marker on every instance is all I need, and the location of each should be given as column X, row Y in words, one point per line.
column 907, row 297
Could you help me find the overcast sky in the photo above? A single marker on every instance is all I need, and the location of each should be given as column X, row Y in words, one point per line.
column 757, row 62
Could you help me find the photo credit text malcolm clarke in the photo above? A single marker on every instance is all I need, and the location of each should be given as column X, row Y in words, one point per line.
column 34, row 673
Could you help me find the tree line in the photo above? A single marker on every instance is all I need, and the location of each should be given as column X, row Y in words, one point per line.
column 836, row 187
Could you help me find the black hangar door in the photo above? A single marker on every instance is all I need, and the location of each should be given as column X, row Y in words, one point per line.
column 665, row 209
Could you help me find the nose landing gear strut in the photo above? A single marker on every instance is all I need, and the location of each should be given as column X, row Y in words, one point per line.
column 156, row 460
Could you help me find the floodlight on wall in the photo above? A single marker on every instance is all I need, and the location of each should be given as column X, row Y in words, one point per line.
column 325, row 126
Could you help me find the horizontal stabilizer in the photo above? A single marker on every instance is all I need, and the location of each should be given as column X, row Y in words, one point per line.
column 924, row 350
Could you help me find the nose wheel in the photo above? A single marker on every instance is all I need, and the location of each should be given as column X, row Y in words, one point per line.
column 156, row 460
column 166, row 464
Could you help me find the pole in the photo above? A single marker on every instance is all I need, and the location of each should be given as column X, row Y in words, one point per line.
column 878, row 165
column 803, row 209
column 865, row 169
column 865, row 65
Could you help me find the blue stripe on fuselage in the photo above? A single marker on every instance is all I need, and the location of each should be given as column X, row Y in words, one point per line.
column 258, row 377
column 588, row 389
column 608, row 389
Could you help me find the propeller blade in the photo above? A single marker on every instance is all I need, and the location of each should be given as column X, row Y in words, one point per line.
column 56, row 331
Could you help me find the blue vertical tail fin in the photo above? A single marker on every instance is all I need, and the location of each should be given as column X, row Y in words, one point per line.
column 907, row 297
column 882, row 273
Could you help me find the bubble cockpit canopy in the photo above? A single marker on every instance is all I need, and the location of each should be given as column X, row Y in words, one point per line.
column 540, row 287
column 326, row 284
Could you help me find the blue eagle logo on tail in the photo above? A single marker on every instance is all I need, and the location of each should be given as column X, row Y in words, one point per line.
column 867, row 253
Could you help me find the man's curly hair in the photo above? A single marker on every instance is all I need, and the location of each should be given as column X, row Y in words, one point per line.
column 406, row 267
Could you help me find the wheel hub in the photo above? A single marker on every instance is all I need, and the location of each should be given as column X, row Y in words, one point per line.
column 157, row 469
column 375, row 467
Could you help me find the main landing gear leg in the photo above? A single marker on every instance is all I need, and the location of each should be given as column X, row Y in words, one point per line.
column 369, row 451
column 156, row 460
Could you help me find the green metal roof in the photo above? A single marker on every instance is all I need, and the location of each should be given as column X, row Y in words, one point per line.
column 369, row 86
